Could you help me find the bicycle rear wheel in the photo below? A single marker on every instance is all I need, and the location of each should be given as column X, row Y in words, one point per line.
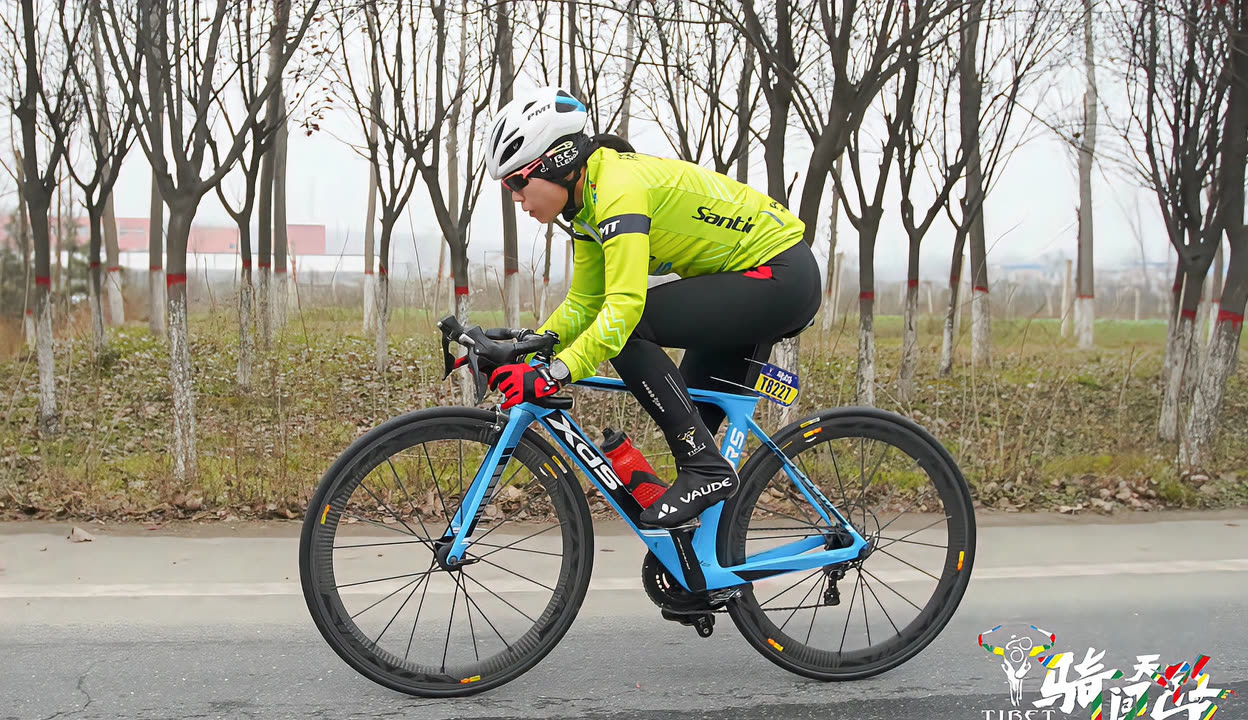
column 903, row 492
column 389, row 604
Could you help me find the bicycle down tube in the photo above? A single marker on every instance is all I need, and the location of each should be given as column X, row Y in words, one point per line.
column 669, row 546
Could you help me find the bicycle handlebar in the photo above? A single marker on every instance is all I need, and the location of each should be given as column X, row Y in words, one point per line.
column 491, row 346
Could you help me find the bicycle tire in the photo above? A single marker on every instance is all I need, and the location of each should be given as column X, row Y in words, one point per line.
column 799, row 657
column 325, row 515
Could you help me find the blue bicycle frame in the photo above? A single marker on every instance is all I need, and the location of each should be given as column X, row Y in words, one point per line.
column 689, row 555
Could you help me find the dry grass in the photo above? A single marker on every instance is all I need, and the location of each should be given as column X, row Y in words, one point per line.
column 1045, row 426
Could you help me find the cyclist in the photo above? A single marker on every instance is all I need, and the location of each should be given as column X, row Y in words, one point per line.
column 747, row 280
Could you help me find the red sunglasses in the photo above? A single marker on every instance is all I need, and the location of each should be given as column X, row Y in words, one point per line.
column 517, row 181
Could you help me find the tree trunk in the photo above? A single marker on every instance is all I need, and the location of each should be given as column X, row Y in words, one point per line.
column 541, row 309
column 370, row 282
column 246, row 328
column 181, row 374
column 1184, row 358
column 264, row 244
column 95, row 285
column 511, row 263
column 951, row 313
column 112, row 257
column 1172, row 324
column 910, row 333
column 1215, row 294
column 49, row 418
column 1085, row 307
column 1067, row 302
column 281, row 290
column 829, row 305
column 864, row 389
column 970, row 94
column 383, row 320
column 459, row 272
column 864, row 393
column 155, row 263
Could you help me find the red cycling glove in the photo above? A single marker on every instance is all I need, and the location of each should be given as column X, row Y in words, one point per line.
column 522, row 383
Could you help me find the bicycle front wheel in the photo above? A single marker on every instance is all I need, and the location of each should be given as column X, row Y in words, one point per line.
column 372, row 555
column 904, row 494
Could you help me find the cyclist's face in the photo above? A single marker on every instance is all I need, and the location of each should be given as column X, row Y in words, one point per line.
column 542, row 199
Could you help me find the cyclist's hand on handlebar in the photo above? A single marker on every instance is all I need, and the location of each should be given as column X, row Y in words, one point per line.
column 522, row 382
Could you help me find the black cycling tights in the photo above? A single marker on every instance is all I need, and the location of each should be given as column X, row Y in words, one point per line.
column 723, row 321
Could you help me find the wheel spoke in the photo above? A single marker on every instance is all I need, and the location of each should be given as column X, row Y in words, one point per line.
column 909, row 563
column 800, row 580
column 862, row 495
column 386, row 506
column 517, row 542
column 437, row 483
column 500, row 597
column 799, row 602
column 513, row 572
column 867, row 585
column 396, row 612
column 845, row 633
column 450, row 622
column 893, row 541
column 410, row 504
column 891, row 589
column 482, row 614
column 394, row 592
column 420, row 541
column 393, row 577
column 415, row 621
column 404, row 531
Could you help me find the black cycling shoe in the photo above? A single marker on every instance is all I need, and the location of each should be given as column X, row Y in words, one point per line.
column 703, row 478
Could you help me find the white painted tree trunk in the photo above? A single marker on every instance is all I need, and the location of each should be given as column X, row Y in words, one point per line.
column 909, row 345
column 96, row 305
column 156, row 301
column 112, row 279
column 831, row 300
column 383, row 319
column 864, row 391
column 246, row 329
column 1085, row 313
column 541, row 302
column 467, row 392
column 1181, row 343
column 49, row 418
column 946, row 341
column 370, row 303
column 1197, row 447
column 1068, row 294
column 511, row 305
column 279, row 302
column 31, row 333
column 265, row 314
column 116, row 304
column 981, row 329
column 181, row 378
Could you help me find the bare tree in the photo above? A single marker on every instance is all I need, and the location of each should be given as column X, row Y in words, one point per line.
column 1003, row 46
column 190, row 81
column 273, row 116
column 507, row 78
column 701, row 63
column 38, row 106
column 1178, row 76
column 156, row 286
column 245, row 19
column 1085, row 303
column 106, row 134
column 1231, row 18
column 924, row 142
column 370, row 227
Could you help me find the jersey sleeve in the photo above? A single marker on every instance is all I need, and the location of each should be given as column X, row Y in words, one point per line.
column 584, row 298
column 623, row 213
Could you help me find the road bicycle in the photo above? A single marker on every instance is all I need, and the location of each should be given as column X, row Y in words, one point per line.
column 448, row 550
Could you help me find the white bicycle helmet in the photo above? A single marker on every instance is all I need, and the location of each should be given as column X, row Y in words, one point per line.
column 529, row 126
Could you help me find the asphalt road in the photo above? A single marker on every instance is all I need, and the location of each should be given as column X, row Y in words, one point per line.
column 208, row 622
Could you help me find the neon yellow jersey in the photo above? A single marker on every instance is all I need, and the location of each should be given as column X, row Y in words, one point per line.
column 643, row 216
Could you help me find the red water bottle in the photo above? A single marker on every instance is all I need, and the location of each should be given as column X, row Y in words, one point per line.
column 638, row 477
